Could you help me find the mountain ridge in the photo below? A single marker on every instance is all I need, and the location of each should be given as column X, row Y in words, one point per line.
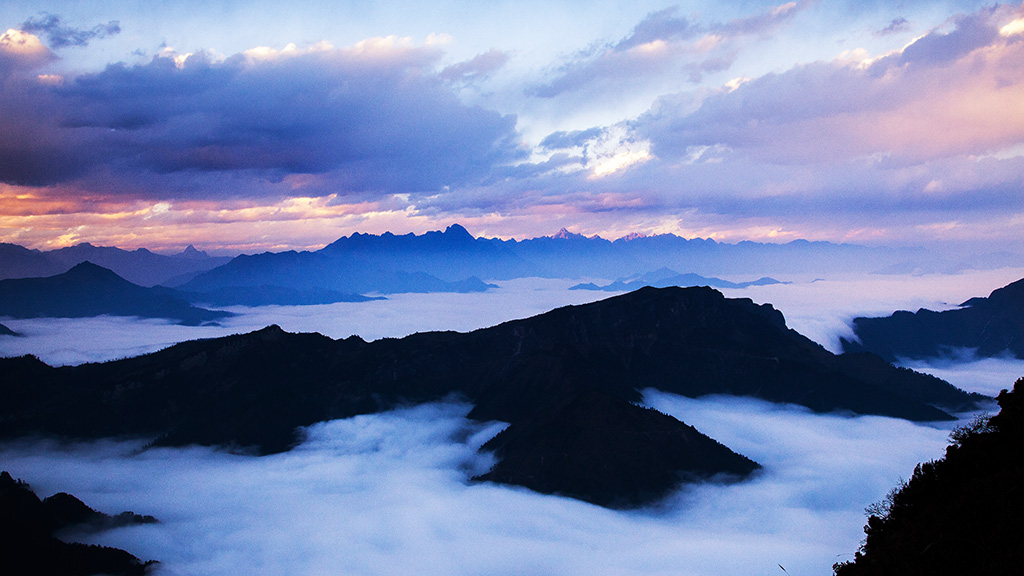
column 989, row 326
column 88, row 290
column 256, row 389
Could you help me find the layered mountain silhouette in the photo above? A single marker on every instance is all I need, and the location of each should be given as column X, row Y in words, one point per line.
column 28, row 544
column 5, row 331
column 90, row 290
column 140, row 266
column 957, row 515
column 566, row 382
column 990, row 326
column 452, row 260
column 665, row 277
column 354, row 265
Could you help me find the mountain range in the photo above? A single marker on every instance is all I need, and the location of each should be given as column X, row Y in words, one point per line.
column 140, row 266
column 567, row 382
column 665, row 277
column 89, row 290
column 454, row 260
column 989, row 326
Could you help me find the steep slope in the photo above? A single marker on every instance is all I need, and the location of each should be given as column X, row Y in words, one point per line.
column 5, row 331
column 89, row 290
column 957, row 515
column 992, row 326
column 255, row 389
column 28, row 545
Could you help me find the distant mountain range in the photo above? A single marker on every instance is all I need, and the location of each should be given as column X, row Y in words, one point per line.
column 5, row 331
column 455, row 261
column 140, row 266
column 28, row 544
column 664, row 277
column 89, row 290
column 990, row 326
column 566, row 381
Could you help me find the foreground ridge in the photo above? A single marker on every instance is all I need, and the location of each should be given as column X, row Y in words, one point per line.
column 960, row 514
column 578, row 364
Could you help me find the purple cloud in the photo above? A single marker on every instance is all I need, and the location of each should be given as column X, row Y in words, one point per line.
column 478, row 67
column 895, row 26
column 373, row 117
column 661, row 42
column 61, row 35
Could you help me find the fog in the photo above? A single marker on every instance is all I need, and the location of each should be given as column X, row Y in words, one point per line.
column 389, row 493
column 819, row 309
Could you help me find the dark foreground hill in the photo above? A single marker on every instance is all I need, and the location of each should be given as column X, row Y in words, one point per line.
column 991, row 326
column 28, row 544
column 566, row 382
column 90, row 290
column 957, row 515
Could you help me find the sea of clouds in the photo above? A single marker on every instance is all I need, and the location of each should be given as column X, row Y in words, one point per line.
column 389, row 493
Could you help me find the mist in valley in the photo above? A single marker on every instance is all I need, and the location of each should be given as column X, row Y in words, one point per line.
column 390, row 493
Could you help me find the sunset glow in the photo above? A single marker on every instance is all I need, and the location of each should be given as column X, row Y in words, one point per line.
column 242, row 129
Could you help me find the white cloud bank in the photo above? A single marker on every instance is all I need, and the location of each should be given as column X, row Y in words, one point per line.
column 387, row 494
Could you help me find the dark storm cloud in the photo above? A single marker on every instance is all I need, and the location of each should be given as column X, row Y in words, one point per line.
column 60, row 35
column 374, row 116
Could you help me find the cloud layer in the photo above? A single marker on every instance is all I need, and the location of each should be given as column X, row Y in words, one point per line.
column 881, row 125
column 386, row 494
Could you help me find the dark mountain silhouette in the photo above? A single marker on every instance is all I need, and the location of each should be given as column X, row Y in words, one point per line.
column 357, row 264
column 450, row 261
column 5, row 331
column 957, row 515
column 991, row 326
column 581, row 364
column 664, row 277
column 90, row 290
column 28, row 544
column 443, row 261
column 630, row 437
column 140, row 266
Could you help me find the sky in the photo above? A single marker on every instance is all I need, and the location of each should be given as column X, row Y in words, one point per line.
column 251, row 126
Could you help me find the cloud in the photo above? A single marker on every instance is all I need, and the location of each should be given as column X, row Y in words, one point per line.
column 476, row 68
column 61, row 35
column 661, row 43
column 373, row 117
column 945, row 94
column 897, row 25
column 387, row 493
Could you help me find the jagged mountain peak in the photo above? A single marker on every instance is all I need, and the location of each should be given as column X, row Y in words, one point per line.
column 459, row 231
